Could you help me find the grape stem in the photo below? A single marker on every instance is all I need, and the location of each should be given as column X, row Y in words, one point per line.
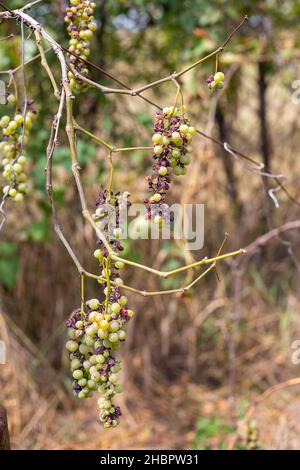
column 159, row 292
column 82, row 296
column 45, row 64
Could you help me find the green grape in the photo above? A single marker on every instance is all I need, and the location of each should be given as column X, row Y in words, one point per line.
column 80, row 26
column 13, row 160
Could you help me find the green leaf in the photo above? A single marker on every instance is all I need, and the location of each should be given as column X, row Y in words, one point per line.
column 38, row 231
column 7, row 249
column 86, row 151
column 144, row 119
column 9, row 271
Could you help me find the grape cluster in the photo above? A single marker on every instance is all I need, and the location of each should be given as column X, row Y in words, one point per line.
column 13, row 159
column 215, row 81
column 80, row 20
column 172, row 153
column 98, row 332
column 248, row 433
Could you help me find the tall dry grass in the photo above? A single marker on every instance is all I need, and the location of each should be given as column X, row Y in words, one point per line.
column 185, row 357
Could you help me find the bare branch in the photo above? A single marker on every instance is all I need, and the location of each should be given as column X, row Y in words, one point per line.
column 70, row 130
column 264, row 239
column 45, row 64
column 30, row 5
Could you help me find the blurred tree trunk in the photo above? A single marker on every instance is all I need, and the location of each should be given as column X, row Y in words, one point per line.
column 262, row 113
column 265, row 147
column 101, row 33
column 4, row 434
column 227, row 161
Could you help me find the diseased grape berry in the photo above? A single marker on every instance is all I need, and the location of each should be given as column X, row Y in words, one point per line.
column 215, row 81
column 13, row 160
column 81, row 25
column 219, row 77
column 171, row 153
column 11, row 99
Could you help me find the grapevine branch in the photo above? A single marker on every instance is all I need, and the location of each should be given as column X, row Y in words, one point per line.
column 66, row 100
column 274, row 233
column 138, row 91
column 24, row 82
column 171, row 77
column 10, row 36
column 132, row 92
column 232, row 151
column 238, row 155
column 65, row 104
column 30, row 5
column 28, row 62
column 45, row 64
column 255, row 167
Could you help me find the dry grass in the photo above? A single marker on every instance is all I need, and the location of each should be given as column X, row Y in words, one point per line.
column 185, row 358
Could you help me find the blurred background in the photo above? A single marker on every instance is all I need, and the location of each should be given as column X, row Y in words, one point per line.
column 192, row 364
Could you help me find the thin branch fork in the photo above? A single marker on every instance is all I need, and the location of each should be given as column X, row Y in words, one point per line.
column 139, row 90
column 144, row 293
column 28, row 62
column 45, row 64
column 33, row 24
column 10, row 36
column 274, row 233
column 30, row 5
column 120, row 82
